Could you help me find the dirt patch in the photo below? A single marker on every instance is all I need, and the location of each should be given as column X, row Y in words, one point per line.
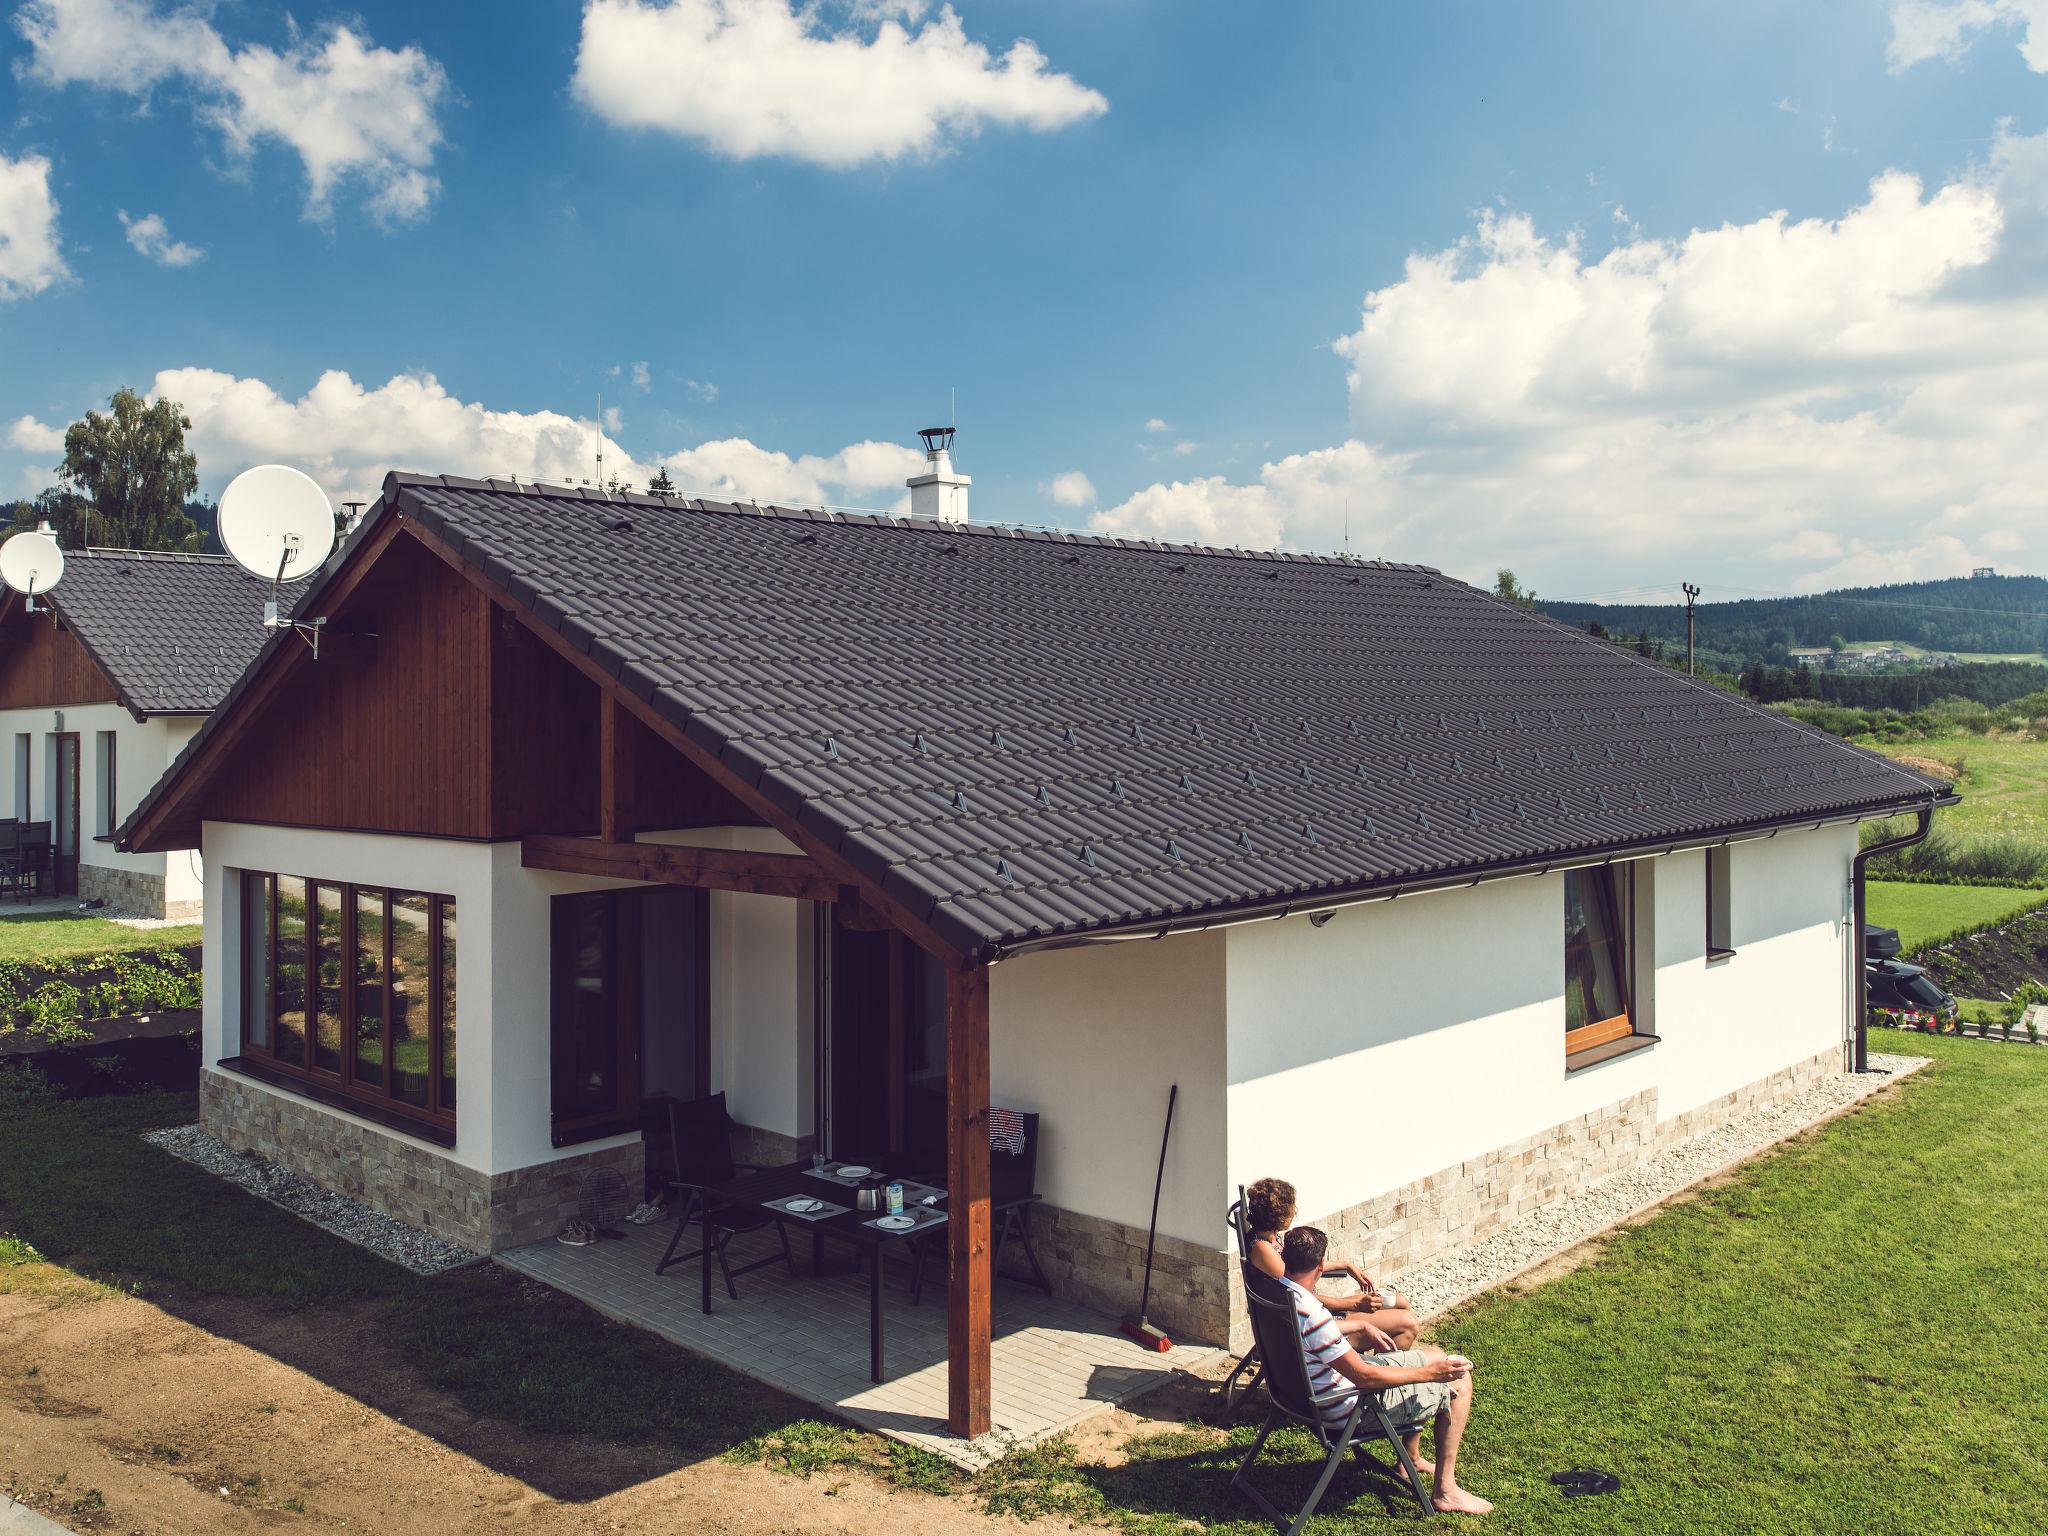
column 116, row 1415
column 1933, row 767
column 1991, row 963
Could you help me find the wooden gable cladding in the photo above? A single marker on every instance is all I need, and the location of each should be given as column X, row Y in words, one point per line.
column 396, row 738
column 44, row 666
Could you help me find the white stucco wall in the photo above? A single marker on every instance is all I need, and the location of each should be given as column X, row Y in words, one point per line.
column 143, row 749
column 1406, row 1036
column 1091, row 1039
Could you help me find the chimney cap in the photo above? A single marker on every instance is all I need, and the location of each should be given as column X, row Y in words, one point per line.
column 936, row 439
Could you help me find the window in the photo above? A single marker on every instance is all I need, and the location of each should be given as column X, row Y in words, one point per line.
column 23, row 746
column 629, row 1010
column 1597, row 957
column 349, row 995
column 1720, row 935
column 105, row 818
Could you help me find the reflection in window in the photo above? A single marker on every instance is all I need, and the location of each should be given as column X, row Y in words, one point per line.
column 448, row 1002
column 290, row 1009
column 369, row 987
column 1595, row 958
column 327, row 967
column 412, row 995
column 256, row 895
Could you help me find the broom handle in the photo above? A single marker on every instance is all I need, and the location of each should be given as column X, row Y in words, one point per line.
column 1152, row 1232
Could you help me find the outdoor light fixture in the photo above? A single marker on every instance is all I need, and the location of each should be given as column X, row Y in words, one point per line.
column 1318, row 919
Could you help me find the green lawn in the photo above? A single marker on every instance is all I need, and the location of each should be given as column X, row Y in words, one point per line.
column 48, row 938
column 1923, row 913
column 1845, row 1338
column 2004, row 784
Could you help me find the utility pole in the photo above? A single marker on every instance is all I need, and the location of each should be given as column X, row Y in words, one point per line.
column 1691, row 596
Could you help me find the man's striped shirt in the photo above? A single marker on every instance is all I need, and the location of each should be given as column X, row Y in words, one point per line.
column 1322, row 1346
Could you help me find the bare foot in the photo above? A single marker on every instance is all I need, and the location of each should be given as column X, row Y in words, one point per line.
column 1423, row 1464
column 1456, row 1501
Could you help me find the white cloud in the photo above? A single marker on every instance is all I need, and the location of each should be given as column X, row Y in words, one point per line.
column 642, row 379
column 31, row 257
column 32, row 436
column 1777, row 403
column 701, row 390
column 1945, row 29
column 1158, row 424
column 1183, row 448
column 354, row 113
column 347, row 435
column 1070, row 489
column 838, row 86
column 152, row 238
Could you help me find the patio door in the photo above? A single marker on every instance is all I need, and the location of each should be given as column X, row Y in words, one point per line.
column 64, row 814
column 885, row 1051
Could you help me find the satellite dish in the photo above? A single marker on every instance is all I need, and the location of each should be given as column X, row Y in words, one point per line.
column 31, row 562
column 276, row 523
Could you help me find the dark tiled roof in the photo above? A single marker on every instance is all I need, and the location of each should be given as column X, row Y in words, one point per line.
column 172, row 632
column 1029, row 735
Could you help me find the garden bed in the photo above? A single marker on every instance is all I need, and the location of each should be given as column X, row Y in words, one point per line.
column 1994, row 962
column 109, row 1022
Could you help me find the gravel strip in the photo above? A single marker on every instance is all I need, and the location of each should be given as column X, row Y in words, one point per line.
column 388, row 1238
column 1444, row 1282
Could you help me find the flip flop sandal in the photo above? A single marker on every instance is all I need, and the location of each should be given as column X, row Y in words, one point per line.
column 1582, row 1482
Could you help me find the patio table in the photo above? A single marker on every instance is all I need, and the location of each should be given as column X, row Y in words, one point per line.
column 766, row 1190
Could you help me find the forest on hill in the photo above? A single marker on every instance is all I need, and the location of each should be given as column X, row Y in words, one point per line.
column 1970, row 615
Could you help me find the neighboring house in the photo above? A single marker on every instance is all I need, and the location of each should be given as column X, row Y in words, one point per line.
column 1430, row 904
column 100, row 689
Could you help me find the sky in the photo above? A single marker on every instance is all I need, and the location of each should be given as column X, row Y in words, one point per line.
column 1616, row 295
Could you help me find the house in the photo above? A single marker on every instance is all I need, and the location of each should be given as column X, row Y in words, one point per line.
column 99, row 689
column 1433, row 905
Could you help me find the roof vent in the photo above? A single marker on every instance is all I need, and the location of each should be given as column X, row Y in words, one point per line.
column 940, row 491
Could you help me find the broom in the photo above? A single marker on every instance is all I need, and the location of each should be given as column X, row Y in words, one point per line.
column 1140, row 1328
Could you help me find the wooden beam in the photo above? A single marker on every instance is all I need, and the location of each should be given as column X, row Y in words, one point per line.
column 706, row 869
column 967, row 1208
column 614, row 771
column 902, row 918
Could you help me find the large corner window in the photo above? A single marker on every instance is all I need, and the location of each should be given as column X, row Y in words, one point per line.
column 348, row 992
column 1597, row 956
column 1720, row 931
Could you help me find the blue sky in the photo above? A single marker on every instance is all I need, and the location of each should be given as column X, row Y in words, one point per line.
column 1142, row 256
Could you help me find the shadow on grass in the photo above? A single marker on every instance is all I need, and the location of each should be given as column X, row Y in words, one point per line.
column 518, row 1377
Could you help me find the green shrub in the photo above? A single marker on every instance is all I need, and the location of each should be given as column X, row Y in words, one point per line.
column 1943, row 858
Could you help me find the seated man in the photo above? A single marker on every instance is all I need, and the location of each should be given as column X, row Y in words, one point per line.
column 1373, row 1319
column 1414, row 1384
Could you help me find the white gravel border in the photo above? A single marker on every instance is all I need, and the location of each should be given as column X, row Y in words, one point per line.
column 1437, row 1285
column 388, row 1238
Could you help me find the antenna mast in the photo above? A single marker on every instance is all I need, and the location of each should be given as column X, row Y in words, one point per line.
column 600, row 439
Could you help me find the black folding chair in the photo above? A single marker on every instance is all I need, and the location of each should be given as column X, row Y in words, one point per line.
column 700, row 1158
column 1277, row 1334
column 10, row 856
column 34, row 858
column 1250, row 1360
column 1012, row 1191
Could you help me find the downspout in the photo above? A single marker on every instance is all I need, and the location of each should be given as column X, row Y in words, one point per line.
column 1859, row 1050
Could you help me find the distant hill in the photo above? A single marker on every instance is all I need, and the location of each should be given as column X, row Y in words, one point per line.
column 1974, row 615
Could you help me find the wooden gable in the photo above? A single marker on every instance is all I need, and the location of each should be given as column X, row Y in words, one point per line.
column 44, row 666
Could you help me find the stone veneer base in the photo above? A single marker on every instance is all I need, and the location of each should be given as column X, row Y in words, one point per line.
column 416, row 1184
column 131, row 890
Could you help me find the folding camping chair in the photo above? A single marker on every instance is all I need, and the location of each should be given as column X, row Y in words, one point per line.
column 1250, row 1360
column 700, row 1159
column 1277, row 1334
column 1012, row 1191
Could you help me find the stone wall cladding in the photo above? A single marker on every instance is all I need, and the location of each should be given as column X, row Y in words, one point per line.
column 417, row 1185
column 128, row 890
column 769, row 1149
column 1101, row 1264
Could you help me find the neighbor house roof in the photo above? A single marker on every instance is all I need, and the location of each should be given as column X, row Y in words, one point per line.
column 1027, row 735
column 172, row 632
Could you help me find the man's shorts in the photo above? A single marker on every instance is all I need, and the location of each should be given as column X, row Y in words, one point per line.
column 1418, row 1402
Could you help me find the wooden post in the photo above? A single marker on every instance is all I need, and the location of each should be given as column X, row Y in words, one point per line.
column 968, row 1229
column 614, row 771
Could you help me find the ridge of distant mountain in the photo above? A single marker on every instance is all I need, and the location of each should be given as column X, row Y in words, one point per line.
column 1964, row 615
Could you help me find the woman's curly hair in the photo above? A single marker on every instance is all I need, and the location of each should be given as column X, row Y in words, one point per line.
column 1269, row 1205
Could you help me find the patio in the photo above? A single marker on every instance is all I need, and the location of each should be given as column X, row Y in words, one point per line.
column 1054, row 1363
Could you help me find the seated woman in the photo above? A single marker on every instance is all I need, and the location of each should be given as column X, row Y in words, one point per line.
column 1380, row 1317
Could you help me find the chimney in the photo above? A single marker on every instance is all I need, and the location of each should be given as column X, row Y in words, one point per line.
column 939, row 491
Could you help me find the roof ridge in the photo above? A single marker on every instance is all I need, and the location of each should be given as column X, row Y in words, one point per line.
column 982, row 528
column 169, row 556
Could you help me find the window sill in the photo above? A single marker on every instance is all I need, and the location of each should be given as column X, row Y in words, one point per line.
column 1600, row 1055
column 335, row 1098
column 1716, row 956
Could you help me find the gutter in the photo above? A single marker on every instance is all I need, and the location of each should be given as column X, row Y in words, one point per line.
column 1471, row 875
column 1859, row 1035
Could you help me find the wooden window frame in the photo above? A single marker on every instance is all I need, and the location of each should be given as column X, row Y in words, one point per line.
column 1607, row 888
column 342, row 1089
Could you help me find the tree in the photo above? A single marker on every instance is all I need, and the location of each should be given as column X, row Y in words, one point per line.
column 133, row 466
column 661, row 485
column 66, row 511
column 1509, row 590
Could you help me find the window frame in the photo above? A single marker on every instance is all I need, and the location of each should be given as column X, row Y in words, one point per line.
column 1719, row 887
column 106, row 750
column 342, row 1088
column 1614, row 888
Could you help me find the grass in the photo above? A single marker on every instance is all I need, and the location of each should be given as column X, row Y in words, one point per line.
column 1838, row 1340
column 1924, row 914
column 1906, row 647
column 2003, row 782
column 50, row 939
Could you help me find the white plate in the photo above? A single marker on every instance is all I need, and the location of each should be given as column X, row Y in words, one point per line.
column 851, row 1171
column 803, row 1207
column 897, row 1223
